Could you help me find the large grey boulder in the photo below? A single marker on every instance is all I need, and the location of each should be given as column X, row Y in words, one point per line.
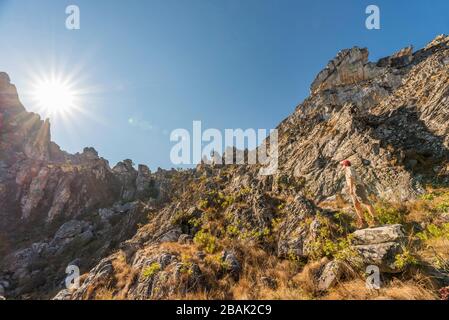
column 383, row 234
column 380, row 246
column 382, row 255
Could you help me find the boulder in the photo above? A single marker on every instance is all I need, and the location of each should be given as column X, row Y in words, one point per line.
column 380, row 246
column 398, row 60
column 382, row 255
column 106, row 213
column 391, row 233
column 73, row 231
column 331, row 274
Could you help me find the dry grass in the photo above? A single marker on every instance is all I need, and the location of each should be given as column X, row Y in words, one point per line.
column 103, row 294
column 124, row 275
column 435, row 249
column 307, row 278
column 425, row 209
column 395, row 290
column 257, row 267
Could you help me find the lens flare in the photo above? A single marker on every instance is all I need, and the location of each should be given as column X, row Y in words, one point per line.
column 54, row 96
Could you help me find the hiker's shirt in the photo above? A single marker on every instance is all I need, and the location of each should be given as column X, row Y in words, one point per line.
column 358, row 189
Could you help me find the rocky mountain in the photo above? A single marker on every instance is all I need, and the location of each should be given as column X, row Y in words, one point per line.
column 226, row 232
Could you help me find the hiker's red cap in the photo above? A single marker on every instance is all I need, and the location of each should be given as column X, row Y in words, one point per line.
column 346, row 163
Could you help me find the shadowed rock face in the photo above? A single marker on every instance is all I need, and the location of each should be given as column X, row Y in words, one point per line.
column 390, row 118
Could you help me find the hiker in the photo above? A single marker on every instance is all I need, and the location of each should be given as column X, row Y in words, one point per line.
column 358, row 193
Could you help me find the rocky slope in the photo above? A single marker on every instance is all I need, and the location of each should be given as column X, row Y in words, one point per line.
column 225, row 231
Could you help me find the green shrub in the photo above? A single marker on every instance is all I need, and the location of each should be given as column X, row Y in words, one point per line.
column 206, row 241
column 389, row 215
column 344, row 221
column 232, row 230
column 433, row 232
column 339, row 249
column 405, row 259
column 180, row 217
column 244, row 192
column 214, row 200
column 151, row 270
column 328, row 245
column 203, row 204
column 443, row 207
column 428, row 197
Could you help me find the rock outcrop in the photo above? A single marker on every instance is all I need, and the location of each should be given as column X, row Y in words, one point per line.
column 350, row 66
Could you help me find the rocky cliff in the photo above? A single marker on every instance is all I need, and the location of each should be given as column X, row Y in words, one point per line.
column 225, row 231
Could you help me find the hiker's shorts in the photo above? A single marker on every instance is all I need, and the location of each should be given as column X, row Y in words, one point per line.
column 361, row 195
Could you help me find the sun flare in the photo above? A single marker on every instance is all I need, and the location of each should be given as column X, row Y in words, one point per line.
column 54, row 96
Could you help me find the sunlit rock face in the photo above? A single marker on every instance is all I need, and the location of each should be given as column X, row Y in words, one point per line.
column 348, row 67
column 390, row 120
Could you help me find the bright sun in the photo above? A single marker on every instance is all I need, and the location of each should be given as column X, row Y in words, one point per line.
column 54, row 96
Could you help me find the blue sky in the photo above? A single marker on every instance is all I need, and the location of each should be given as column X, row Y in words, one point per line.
column 165, row 63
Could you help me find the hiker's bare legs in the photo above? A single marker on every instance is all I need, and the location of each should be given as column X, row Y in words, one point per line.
column 359, row 212
column 358, row 194
column 371, row 210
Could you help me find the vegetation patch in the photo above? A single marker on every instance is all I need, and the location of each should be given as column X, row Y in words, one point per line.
column 151, row 270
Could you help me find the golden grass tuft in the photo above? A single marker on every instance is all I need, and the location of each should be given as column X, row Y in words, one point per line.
column 395, row 290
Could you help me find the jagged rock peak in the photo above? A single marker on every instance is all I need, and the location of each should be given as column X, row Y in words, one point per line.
column 4, row 79
column 348, row 67
column 9, row 99
column 442, row 39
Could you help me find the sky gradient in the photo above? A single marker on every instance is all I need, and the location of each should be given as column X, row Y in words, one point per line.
column 149, row 67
